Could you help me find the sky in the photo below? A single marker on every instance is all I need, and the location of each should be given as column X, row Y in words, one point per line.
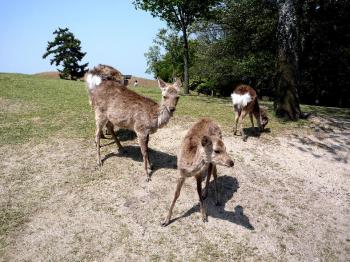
column 111, row 32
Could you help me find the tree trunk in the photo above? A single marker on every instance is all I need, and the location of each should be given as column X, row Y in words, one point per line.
column 286, row 98
column 186, row 61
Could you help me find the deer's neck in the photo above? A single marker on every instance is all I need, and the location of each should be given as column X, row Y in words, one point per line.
column 163, row 116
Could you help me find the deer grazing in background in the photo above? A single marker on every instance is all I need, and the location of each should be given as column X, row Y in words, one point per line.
column 201, row 150
column 115, row 105
column 245, row 101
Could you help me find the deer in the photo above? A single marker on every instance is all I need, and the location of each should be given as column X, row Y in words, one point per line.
column 116, row 105
column 245, row 101
column 201, row 150
column 103, row 72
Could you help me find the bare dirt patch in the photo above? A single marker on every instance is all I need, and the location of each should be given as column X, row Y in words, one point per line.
column 285, row 199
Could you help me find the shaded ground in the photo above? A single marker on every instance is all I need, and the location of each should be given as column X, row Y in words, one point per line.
column 287, row 198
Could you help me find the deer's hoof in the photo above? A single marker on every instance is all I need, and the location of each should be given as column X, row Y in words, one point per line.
column 205, row 219
column 245, row 138
column 165, row 223
column 148, row 179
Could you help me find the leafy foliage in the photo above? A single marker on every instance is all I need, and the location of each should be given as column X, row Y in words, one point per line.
column 168, row 64
column 179, row 15
column 66, row 52
column 238, row 45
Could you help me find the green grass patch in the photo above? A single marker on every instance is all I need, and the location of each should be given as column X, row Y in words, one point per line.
column 35, row 107
column 50, row 106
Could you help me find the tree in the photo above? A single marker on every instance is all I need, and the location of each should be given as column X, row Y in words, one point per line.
column 179, row 15
column 325, row 56
column 66, row 51
column 286, row 98
column 238, row 45
column 170, row 64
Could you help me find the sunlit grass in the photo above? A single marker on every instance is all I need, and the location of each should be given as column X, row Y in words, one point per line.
column 34, row 107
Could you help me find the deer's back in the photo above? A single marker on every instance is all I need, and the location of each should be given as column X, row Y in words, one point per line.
column 123, row 107
column 244, row 96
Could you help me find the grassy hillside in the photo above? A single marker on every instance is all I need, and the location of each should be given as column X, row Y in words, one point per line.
column 36, row 107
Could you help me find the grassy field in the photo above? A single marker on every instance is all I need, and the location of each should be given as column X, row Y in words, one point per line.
column 285, row 199
column 35, row 107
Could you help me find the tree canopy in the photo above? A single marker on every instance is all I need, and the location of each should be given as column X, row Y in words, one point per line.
column 179, row 15
column 66, row 52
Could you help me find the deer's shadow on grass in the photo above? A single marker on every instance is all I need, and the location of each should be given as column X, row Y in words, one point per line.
column 158, row 159
column 254, row 132
column 227, row 186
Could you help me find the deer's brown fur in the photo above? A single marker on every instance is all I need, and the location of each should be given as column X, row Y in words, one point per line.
column 116, row 105
column 201, row 150
column 245, row 101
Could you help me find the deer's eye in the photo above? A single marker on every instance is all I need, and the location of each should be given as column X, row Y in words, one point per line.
column 217, row 151
column 165, row 97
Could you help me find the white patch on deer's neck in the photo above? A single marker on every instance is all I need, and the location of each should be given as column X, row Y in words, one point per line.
column 163, row 116
column 241, row 100
column 93, row 81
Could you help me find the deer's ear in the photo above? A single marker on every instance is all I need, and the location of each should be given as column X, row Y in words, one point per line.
column 177, row 84
column 161, row 84
column 206, row 141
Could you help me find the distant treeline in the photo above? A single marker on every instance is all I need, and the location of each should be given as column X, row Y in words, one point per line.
column 238, row 42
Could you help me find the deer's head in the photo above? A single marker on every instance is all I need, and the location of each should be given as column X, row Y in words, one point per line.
column 216, row 151
column 170, row 94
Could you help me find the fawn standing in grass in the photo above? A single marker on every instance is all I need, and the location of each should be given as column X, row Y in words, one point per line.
column 115, row 105
column 245, row 100
column 201, row 150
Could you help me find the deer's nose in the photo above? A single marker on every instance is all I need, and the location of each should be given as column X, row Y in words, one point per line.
column 171, row 109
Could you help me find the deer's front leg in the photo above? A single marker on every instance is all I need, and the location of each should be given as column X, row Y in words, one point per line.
column 215, row 175
column 143, row 140
column 205, row 191
column 199, row 190
column 176, row 196
column 149, row 162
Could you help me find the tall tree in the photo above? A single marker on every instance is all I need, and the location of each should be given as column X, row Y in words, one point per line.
column 179, row 15
column 286, row 98
column 66, row 51
column 238, row 45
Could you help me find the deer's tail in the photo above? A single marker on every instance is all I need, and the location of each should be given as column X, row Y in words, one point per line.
column 93, row 81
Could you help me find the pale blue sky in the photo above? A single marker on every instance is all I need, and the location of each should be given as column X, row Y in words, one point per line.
column 111, row 32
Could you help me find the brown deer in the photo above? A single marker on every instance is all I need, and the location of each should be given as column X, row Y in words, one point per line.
column 245, row 100
column 115, row 105
column 201, row 150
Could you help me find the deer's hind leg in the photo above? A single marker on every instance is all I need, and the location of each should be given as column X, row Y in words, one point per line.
column 110, row 129
column 251, row 118
column 241, row 117
column 100, row 123
column 237, row 115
